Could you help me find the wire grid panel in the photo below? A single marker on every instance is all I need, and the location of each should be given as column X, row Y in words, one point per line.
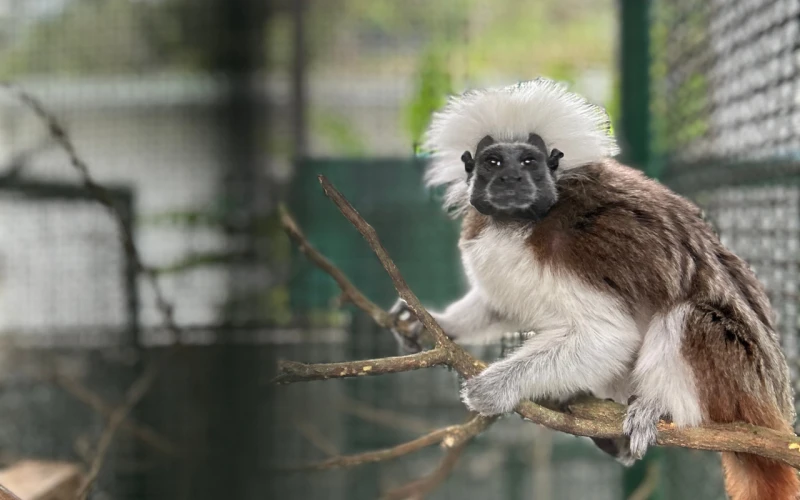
column 63, row 270
column 726, row 124
column 725, row 76
column 728, row 128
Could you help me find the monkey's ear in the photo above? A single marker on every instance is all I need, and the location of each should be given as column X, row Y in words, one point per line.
column 469, row 162
column 483, row 144
column 536, row 141
column 552, row 161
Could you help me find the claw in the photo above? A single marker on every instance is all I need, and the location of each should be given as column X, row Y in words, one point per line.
column 407, row 343
column 641, row 426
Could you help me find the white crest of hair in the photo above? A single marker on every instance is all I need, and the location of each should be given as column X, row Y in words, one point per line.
column 563, row 119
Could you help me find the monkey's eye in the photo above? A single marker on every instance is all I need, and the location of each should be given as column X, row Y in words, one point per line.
column 493, row 160
column 528, row 161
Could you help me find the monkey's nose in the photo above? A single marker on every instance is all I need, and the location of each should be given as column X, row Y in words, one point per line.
column 510, row 178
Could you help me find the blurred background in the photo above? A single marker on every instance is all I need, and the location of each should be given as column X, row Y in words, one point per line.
column 200, row 116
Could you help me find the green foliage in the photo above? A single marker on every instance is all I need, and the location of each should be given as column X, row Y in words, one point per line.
column 335, row 129
column 326, row 318
column 201, row 259
column 526, row 39
column 613, row 105
column 116, row 36
column 563, row 71
column 678, row 112
column 187, row 218
column 277, row 305
column 432, row 86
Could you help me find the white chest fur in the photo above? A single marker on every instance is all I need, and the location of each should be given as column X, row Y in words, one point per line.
column 532, row 295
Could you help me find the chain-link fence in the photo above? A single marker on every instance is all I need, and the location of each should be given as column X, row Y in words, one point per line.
column 200, row 116
column 727, row 134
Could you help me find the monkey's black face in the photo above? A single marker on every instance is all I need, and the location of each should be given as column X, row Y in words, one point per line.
column 513, row 180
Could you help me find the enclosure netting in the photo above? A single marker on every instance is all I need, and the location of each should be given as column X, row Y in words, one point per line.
column 725, row 99
column 188, row 106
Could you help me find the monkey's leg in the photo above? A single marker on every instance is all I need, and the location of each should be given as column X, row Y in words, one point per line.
column 663, row 382
column 557, row 362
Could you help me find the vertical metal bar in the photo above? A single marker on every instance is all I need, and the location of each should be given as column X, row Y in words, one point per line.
column 237, row 60
column 634, row 122
column 634, row 134
column 299, row 81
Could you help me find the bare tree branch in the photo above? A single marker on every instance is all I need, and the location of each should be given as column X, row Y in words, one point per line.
column 144, row 433
column 314, row 436
column 100, row 194
column 292, row 371
column 453, row 451
column 383, row 417
column 585, row 417
column 467, row 365
column 134, row 394
column 350, row 293
column 424, row 485
column 449, row 437
column 648, row 485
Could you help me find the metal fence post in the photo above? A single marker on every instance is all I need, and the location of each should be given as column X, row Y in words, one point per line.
column 634, row 121
column 634, row 134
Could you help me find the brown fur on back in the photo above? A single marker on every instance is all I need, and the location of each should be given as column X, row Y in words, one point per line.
column 633, row 238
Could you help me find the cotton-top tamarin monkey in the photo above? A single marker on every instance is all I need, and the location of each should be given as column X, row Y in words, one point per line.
column 629, row 292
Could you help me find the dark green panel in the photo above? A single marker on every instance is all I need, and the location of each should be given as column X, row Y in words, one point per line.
column 634, row 122
column 414, row 229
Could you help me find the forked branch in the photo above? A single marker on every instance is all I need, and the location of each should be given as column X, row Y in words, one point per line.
column 586, row 417
column 449, row 437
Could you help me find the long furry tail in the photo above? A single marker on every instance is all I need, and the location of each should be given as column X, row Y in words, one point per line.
column 750, row 477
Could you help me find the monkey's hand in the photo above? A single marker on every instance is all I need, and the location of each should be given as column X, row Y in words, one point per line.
column 493, row 392
column 407, row 344
column 640, row 426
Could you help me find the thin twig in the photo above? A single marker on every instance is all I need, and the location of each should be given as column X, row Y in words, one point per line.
column 142, row 385
column 350, row 293
column 100, row 194
column 132, row 397
column 449, row 437
column 314, row 436
column 346, row 461
column 453, row 451
column 383, row 417
column 369, row 234
column 144, row 433
column 648, row 485
column 423, row 486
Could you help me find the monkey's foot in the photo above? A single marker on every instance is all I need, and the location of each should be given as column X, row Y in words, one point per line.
column 640, row 426
column 490, row 393
column 407, row 344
